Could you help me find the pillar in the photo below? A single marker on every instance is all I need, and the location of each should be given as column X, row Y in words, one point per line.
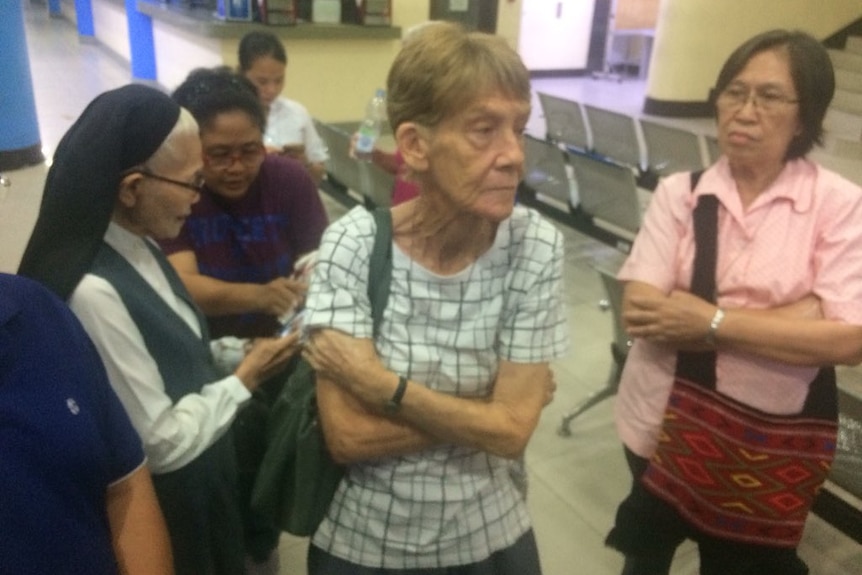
column 54, row 9
column 84, row 17
column 20, row 144
column 143, row 49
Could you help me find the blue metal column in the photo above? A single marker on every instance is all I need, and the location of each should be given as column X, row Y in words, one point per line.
column 20, row 144
column 141, row 43
column 84, row 16
column 54, row 9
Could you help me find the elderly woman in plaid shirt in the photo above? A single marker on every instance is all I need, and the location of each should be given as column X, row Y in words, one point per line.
column 433, row 415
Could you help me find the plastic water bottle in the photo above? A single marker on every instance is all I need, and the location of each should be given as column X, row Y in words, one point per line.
column 369, row 129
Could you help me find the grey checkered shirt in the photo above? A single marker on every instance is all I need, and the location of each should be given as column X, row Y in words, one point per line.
column 449, row 505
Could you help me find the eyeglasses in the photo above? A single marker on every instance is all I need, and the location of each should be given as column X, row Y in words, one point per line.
column 196, row 186
column 248, row 155
column 767, row 100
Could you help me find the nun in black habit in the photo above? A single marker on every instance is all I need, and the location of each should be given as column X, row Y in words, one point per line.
column 126, row 173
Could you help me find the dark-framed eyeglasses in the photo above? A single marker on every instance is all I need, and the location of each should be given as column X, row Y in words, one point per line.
column 196, row 186
column 736, row 96
column 249, row 155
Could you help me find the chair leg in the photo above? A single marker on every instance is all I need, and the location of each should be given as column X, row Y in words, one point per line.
column 610, row 389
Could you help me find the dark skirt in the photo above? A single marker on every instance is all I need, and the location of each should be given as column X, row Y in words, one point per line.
column 201, row 508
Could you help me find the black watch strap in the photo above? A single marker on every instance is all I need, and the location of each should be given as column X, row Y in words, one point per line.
column 394, row 404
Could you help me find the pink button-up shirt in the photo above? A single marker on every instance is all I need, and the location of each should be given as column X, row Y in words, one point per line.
column 803, row 235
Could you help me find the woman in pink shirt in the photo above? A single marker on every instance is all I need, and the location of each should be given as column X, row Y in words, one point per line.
column 788, row 286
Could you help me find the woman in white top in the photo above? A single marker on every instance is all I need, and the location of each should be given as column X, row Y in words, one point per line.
column 289, row 128
column 433, row 415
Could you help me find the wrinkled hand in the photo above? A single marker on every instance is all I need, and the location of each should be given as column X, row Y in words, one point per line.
column 351, row 363
column 266, row 357
column 678, row 319
column 281, row 295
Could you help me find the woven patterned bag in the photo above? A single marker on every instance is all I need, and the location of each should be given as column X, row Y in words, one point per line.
column 736, row 472
column 731, row 470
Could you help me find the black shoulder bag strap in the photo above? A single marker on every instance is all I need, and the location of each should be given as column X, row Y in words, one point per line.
column 380, row 266
column 700, row 366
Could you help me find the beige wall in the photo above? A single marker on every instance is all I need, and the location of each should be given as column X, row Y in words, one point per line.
column 509, row 21
column 635, row 14
column 694, row 37
column 111, row 27
column 335, row 79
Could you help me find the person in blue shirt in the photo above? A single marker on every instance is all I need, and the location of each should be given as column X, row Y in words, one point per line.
column 77, row 495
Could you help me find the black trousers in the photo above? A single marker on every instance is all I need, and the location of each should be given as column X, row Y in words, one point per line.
column 648, row 532
column 521, row 558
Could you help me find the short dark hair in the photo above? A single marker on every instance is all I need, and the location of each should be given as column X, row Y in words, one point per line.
column 812, row 73
column 208, row 92
column 258, row 44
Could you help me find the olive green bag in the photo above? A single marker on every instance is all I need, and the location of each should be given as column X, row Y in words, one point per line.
column 297, row 477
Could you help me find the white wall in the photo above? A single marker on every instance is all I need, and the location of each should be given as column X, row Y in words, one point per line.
column 179, row 52
column 555, row 34
column 111, row 27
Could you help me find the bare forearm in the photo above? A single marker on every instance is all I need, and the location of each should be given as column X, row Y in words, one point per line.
column 500, row 424
column 806, row 342
column 138, row 529
column 488, row 426
column 353, row 434
column 792, row 333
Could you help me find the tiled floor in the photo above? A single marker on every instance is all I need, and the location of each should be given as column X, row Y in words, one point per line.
column 576, row 482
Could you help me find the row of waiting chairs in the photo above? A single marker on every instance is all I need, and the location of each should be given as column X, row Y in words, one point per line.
column 643, row 144
column 570, row 182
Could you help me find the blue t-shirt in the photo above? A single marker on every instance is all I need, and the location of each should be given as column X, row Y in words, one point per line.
column 64, row 439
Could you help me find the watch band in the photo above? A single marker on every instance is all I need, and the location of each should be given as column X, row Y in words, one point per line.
column 394, row 403
column 713, row 325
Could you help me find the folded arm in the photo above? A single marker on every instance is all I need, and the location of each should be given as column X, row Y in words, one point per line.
column 355, row 434
column 795, row 333
column 218, row 297
column 355, row 387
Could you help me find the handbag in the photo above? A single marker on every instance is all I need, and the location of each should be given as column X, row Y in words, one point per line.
column 297, row 477
column 730, row 470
